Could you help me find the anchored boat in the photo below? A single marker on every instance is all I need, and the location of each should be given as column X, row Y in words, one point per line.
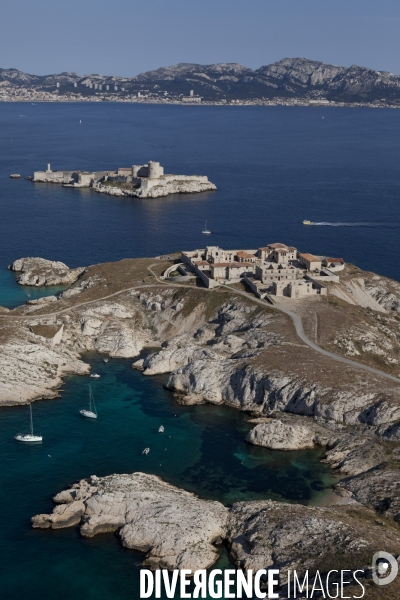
column 92, row 412
column 205, row 230
column 28, row 437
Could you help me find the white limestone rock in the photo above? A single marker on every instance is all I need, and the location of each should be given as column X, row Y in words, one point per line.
column 276, row 435
column 34, row 370
column 164, row 186
column 171, row 358
column 42, row 272
column 175, row 528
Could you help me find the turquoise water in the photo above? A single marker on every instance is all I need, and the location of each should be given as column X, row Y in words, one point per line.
column 13, row 295
column 202, row 450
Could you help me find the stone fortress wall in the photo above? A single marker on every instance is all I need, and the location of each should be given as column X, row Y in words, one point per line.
column 144, row 181
column 276, row 269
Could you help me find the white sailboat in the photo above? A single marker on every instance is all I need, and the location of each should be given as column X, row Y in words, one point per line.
column 92, row 412
column 205, row 230
column 29, row 437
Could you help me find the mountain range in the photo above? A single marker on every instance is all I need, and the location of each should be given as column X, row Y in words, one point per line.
column 287, row 78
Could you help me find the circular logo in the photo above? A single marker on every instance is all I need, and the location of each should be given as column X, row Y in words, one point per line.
column 384, row 568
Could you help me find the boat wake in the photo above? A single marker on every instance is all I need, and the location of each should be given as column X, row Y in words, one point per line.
column 357, row 224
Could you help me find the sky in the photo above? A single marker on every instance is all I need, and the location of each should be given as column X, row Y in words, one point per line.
column 127, row 37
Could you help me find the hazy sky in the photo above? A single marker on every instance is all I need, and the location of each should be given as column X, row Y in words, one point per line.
column 126, row 37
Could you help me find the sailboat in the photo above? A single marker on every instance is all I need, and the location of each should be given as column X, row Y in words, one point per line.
column 29, row 437
column 205, row 230
column 91, row 413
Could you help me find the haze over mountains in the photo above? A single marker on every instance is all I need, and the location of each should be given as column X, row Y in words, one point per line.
column 287, row 78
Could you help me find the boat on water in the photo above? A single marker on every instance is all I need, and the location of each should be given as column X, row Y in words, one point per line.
column 92, row 412
column 15, row 176
column 161, row 429
column 305, row 222
column 95, row 375
column 29, row 437
column 146, row 451
column 105, row 360
column 205, row 230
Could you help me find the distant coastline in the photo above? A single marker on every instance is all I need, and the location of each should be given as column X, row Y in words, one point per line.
column 288, row 82
column 161, row 102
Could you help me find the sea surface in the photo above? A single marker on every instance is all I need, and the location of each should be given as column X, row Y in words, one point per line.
column 273, row 167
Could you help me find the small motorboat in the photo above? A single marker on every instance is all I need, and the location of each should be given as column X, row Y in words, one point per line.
column 146, row 451
column 161, row 429
column 29, row 437
column 15, row 176
column 305, row 222
column 95, row 375
column 92, row 412
column 105, row 360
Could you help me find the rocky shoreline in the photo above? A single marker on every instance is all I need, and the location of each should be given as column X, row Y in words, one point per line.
column 219, row 348
column 177, row 530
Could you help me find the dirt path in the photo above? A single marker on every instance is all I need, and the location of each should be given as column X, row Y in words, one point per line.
column 295, row 318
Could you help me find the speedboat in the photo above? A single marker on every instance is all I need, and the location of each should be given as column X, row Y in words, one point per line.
column 92, row 412
column 95, row 375
column 307, row 222
column 29, row 437
column 161, row 429
column 146, row 451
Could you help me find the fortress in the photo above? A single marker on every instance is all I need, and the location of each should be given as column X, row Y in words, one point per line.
column 141, row 181
column 276, row 269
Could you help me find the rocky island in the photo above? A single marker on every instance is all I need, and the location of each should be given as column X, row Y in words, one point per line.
column 337, row 387
column 138, row 181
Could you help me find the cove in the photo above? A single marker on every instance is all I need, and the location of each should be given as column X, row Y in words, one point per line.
column 202, row 450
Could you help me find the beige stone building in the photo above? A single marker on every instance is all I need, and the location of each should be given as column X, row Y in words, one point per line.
column 276, row 269
column 311, row 262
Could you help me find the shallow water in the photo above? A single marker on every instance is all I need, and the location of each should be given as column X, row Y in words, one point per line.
column 201, row 450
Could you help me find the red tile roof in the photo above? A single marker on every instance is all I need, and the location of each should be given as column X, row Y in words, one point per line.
column 309, row 257
column 338, row 260
column 244, row 254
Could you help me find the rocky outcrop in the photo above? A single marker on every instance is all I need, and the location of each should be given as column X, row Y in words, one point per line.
column 175, row 528
column 42, row 272
column 163, row 186
column 266, row 534
column 281, row 436
column 378, row 488
column 32, row 368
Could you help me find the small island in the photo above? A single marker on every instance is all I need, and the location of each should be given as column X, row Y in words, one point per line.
column 138, row 181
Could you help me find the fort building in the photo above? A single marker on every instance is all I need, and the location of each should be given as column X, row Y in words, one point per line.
column 273, row 270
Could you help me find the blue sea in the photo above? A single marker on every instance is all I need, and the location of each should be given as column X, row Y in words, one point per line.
column 274, row 167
